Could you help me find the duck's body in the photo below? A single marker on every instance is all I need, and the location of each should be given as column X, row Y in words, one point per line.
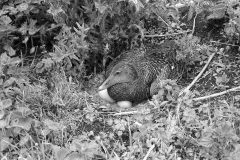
column 131, row 75
column 138, row 90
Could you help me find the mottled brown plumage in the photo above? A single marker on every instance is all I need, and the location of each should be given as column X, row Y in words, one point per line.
column 132, row 76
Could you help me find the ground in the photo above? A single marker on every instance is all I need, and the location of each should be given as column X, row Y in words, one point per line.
column 198, row 122
column 64, row 118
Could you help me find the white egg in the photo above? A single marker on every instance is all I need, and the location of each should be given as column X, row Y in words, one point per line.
column 105, row 96
column 124, row 104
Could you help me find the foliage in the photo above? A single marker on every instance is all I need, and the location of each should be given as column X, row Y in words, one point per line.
column 70, row 47
column 49, row 108
column 228, row 10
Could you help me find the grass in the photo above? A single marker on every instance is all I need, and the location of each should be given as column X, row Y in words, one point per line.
column 56, row 116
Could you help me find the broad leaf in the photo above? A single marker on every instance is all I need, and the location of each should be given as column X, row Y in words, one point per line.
column 4, row 143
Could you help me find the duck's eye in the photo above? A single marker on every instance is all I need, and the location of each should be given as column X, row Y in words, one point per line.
column 118, row 72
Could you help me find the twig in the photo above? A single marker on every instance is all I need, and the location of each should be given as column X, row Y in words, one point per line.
column 217, row 94
column 130, row 134
column 178, row 109
column 163, row 103
column 161, row 18
column 150, row 150
column 164, row 35
column 198, row 76
column 59, row 25
column 138, row 124
column 224, row 43
column 125, row 113
column 194, row 23
column 117, row 157
column 113, row 151
column 194, row 20
column 104, row 148
column 180, row 100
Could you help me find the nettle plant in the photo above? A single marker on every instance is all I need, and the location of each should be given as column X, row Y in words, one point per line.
column 36, row 30
column 28, row 29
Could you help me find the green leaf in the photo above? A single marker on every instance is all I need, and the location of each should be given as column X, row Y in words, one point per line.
column 2, row 113
column 53, row 125
column 24, row 140
column 190, row 13
column 32, row 27
column 11, row 51
column 46, row 131
column 60, row 153
column 14, row 60
column 24, row 28
column 206, row 142
column 5, row 103
column 236, row 154
column 218, row 11
column 5, row 143
column 6, row 20
column 3, row 123
column 75, row 156
column 81, row 30
column 3, row 12
column 101, row 6
column 87, row 147
column 47, row 62
column 143, row 130
column 32, row 50
column 18, row 1
column 168, row 87
column 222, row 79
column 22, row 7
column 9, row 82
column 138, row 4
column 136, row 136
column 226, row 128
column 24, row 123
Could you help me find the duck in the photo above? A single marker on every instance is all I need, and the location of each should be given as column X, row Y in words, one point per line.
column 132, row 76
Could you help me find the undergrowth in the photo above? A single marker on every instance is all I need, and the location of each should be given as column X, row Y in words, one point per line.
column 53, row 53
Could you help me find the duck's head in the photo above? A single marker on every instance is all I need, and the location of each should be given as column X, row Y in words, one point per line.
column 121, row 73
